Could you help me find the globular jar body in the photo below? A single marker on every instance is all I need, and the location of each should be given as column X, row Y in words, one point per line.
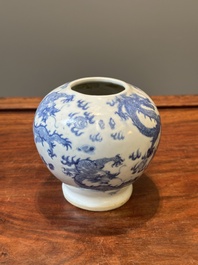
column 97, row 135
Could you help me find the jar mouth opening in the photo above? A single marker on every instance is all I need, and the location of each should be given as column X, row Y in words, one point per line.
column 98, row 86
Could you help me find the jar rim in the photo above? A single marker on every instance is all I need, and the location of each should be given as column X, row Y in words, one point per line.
column 86, row 80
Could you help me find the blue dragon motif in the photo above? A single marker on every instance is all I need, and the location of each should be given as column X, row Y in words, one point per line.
column 130, row 106
column 85, row 171
column 48, row 106
column 41, row 135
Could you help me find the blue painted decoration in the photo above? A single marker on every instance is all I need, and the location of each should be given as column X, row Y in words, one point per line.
column 50, row 165
column 139, row 167
column 95, row 137
column 142, row 161
column 82, row 104
column 91, row 173
column 117, row 136
column 135, row 155
column 42, row 135
column 101, row 124
column 78, row 122
column 64, row 86
column 48, row 107
column 112, row 123
column 128, row 107
column 88, row 149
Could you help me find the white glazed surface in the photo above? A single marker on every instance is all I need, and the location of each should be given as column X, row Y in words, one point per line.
column 96, row 200
column 102, row 143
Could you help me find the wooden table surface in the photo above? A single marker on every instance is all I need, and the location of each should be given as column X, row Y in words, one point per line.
column 158, row 225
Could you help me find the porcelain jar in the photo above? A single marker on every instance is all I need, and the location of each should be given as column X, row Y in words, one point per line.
column 97, row 135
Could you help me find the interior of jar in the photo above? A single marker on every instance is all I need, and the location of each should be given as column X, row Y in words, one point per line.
column 98, row 88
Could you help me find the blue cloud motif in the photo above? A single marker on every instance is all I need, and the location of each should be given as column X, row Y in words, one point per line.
column 78, row 123
column 117, row 136
column 96, row 137
column 82, row 104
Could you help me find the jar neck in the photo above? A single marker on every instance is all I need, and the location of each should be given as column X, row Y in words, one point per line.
column 99, row 86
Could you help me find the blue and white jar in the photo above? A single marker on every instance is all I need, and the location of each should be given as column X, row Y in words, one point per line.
column 97, row 135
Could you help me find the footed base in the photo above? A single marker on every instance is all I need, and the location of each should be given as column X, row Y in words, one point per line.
column 96, row 200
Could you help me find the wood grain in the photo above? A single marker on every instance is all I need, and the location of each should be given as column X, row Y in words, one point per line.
column 158, row 225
